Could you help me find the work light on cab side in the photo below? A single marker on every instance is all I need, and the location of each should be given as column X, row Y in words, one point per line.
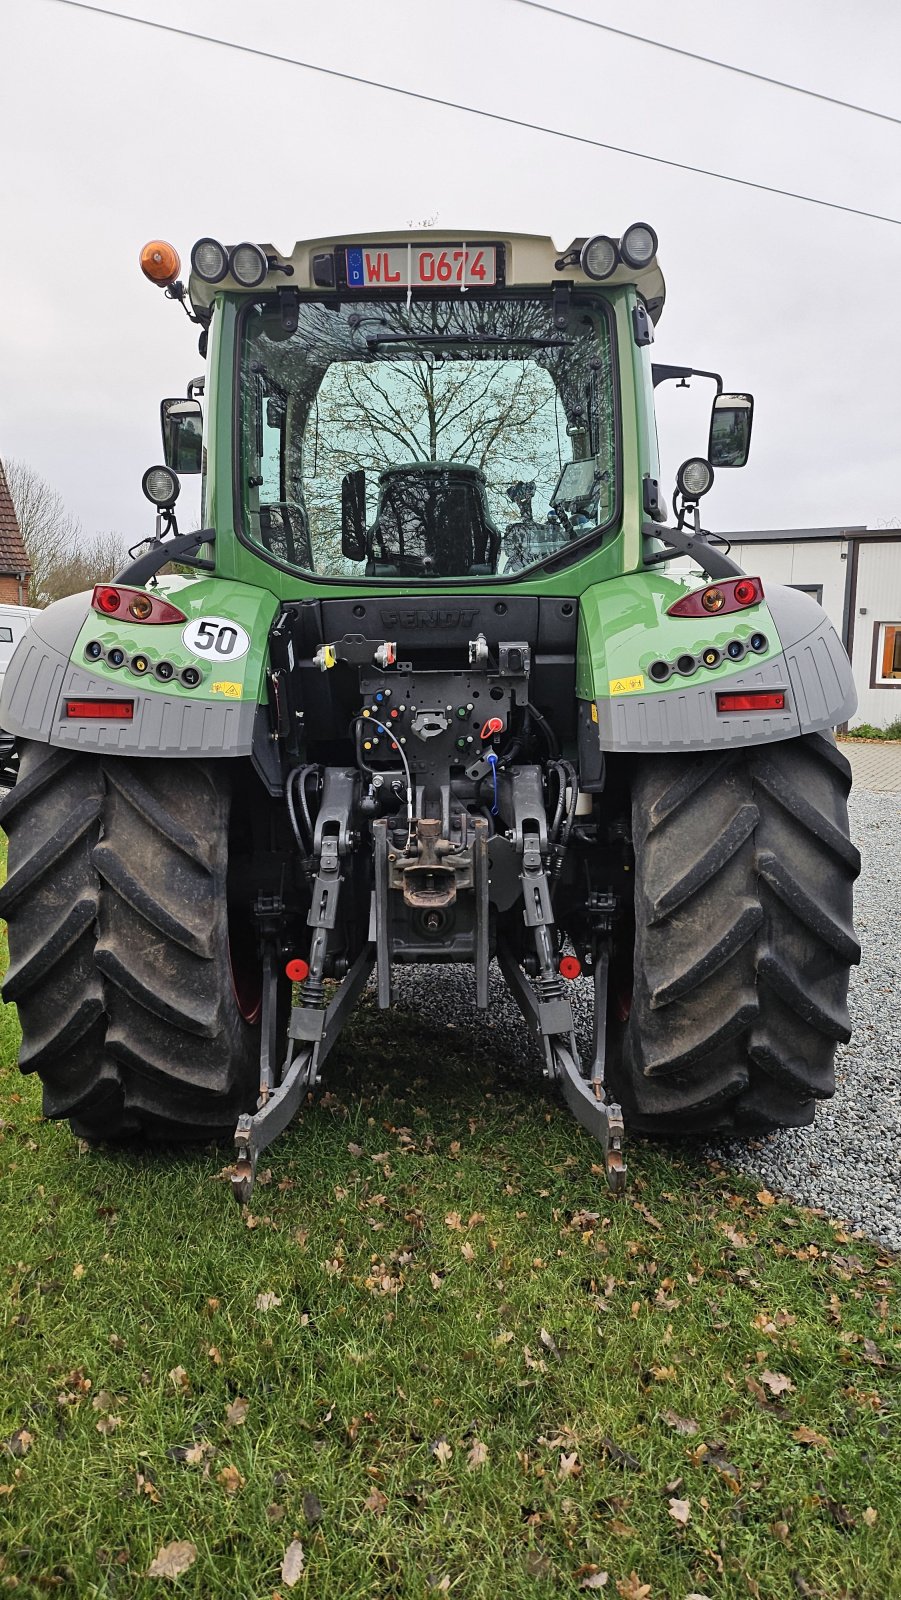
column 436, row 680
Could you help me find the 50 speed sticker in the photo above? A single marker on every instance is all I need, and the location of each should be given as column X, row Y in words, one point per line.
column 216, row 638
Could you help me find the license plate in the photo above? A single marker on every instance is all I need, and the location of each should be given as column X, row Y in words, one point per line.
column 417, row 266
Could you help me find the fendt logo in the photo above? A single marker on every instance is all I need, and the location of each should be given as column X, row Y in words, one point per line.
column 427, row 617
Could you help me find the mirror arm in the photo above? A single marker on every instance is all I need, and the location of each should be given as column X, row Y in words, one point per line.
column 696, row 544
column 663, row 374
column 183, row 549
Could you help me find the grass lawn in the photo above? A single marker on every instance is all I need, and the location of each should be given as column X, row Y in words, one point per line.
column 437, row 1357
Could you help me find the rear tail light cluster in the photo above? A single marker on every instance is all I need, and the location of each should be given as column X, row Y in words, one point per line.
column 133, row 605
column 733, row 594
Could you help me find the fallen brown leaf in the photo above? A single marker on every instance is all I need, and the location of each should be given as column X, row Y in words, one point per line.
column 805, row 1435
column 686, row 1425
column 632, row 1588
column 108, row 1425
column 477, row 1456
column 776, row 1382
column 292, row 1564
column 180, row 1380
column 870, row 1517
column 619, row 1456
column 20, row 1442
column 173, row 1559
column 569, row 1465
column 230, row 1479
column 376, row 1502
column 594, row 1580
column 267, row 1302
column 680, row 1511
column 236, row 1413
column 442, row 1451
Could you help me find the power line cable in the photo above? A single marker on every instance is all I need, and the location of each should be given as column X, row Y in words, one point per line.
column 709, row 61
column 477, row 111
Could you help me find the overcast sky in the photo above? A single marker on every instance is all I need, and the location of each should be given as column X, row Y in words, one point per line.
column 111, row 134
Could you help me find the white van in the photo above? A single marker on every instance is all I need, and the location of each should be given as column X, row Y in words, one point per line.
column 14, row 620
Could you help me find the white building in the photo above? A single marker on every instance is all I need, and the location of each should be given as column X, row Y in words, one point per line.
column 855, row 573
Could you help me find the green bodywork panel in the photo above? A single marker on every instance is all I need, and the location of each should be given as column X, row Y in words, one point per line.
column 242, row 678
column 623, row 628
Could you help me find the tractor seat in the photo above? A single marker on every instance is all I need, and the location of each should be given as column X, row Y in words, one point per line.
column 432, row 521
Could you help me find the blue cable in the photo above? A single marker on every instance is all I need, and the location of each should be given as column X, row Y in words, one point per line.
column 491, row 758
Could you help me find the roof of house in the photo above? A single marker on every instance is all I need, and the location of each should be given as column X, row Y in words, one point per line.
column 13, row 555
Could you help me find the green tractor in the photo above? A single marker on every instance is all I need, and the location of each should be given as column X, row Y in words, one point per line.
column 437, row 679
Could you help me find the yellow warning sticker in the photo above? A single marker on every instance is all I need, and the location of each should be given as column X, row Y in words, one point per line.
column 594, row 711
column 627, row 685
column 233, row 690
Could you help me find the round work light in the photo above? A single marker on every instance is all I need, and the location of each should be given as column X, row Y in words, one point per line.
column 638, row 245
column 209, row 260
column 248, row 265
column 161, row 487
column 694, row 478
column 599, row 257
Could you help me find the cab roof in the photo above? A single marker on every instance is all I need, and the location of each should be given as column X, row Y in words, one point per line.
column 530, row 260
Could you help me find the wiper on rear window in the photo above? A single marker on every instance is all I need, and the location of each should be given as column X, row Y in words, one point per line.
column 375, row 339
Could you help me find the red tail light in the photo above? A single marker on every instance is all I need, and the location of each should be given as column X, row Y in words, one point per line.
column 114, row 710
column 733, row 594
column 133, row 605
column 754, row 700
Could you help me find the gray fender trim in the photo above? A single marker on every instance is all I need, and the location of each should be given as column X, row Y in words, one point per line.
column 40, row 677
column 818, row 667
column 813, row 670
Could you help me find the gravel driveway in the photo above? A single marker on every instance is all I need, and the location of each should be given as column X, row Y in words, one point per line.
column 849, row 1161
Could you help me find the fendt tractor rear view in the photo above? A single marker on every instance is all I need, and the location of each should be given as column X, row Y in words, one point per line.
column 439, row 678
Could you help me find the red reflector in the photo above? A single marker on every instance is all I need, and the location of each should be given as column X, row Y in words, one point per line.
column 111, row 710
column 297, row 970
column 757, row 700
column 569, row 966
column 106, row 600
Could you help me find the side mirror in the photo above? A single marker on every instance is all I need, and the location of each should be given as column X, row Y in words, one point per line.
column 353, row 515
column 730, row 430
column 182, row 424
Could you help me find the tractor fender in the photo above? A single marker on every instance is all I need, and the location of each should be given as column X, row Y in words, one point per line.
column 811, row 665
column 47, row 669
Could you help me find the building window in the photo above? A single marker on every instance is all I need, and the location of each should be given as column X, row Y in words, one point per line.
column 886, row 655
column 815, row 589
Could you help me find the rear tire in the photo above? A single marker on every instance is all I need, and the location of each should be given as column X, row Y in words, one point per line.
column 743, row 938
column 120, row 962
